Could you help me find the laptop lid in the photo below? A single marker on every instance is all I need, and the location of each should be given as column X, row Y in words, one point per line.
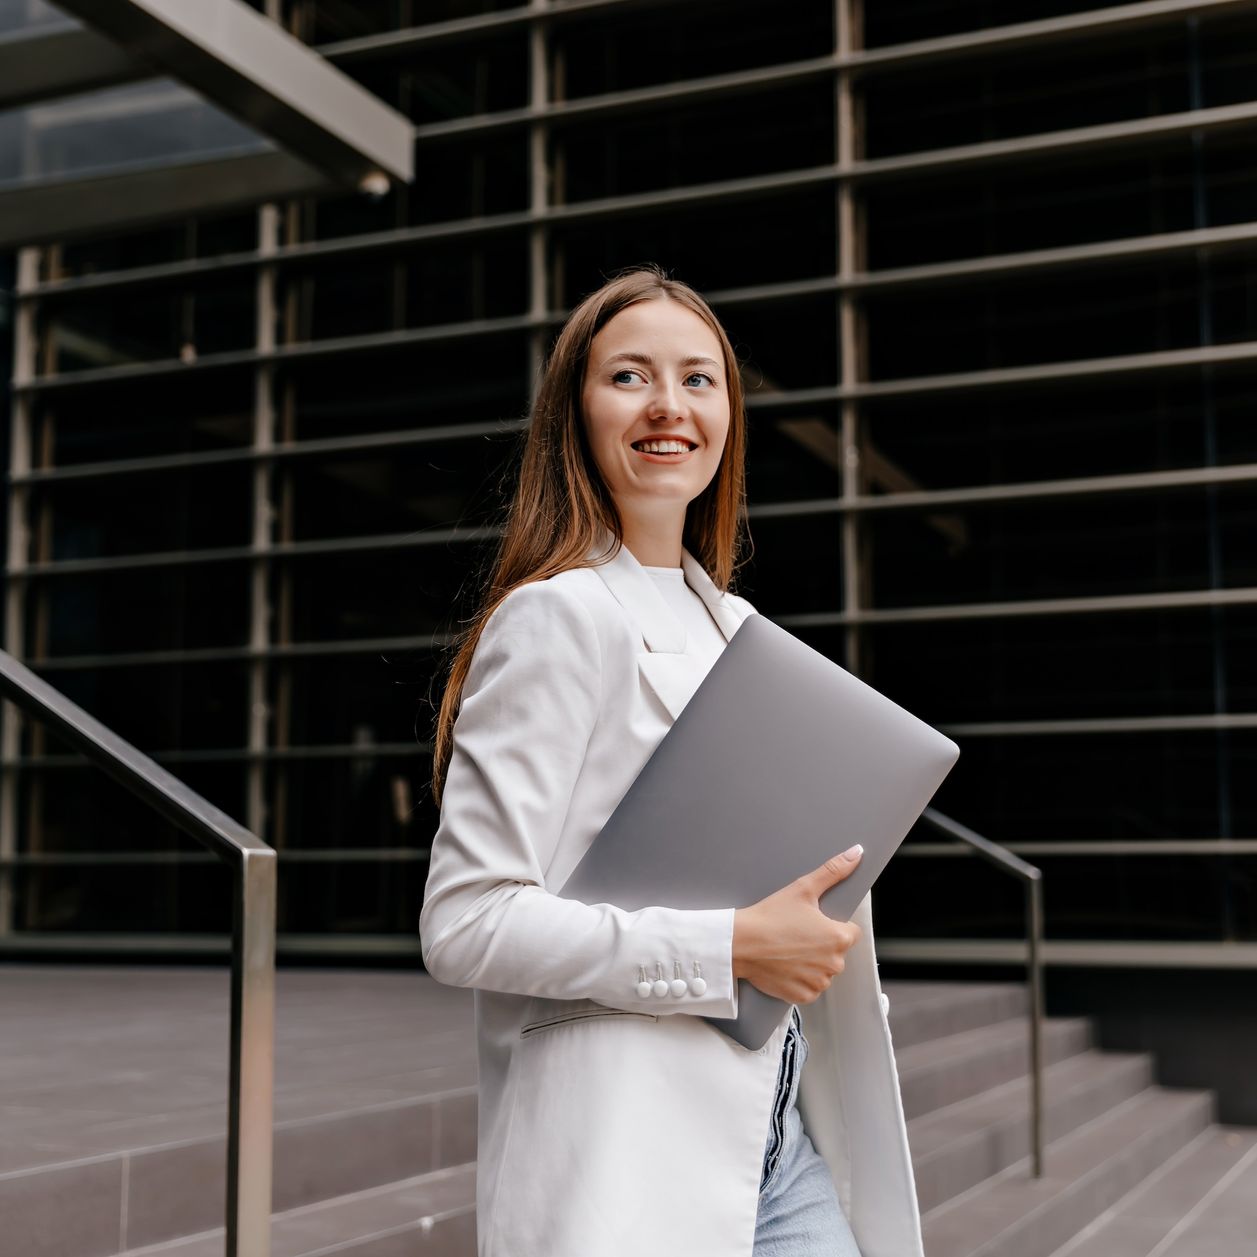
column 780, row 759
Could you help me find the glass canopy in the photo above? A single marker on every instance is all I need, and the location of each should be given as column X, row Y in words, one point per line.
column 92, row 138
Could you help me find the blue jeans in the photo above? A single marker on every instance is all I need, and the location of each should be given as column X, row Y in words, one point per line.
column 799, row 1214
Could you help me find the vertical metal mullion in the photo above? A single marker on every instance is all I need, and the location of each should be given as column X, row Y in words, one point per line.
column 849, row 145
column 263, row 521
column 539, row 194
column 25, row 348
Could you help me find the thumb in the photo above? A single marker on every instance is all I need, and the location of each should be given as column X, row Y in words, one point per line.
column 833, row 871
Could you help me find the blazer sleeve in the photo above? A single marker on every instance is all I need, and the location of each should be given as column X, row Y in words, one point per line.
column 529, row 706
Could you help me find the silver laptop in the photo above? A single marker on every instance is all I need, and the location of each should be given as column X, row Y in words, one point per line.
column 780, row 759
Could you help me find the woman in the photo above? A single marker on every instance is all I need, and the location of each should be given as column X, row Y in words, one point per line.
column 614, row 1121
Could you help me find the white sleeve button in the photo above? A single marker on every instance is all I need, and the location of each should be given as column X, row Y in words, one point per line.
column 677, row 986
column 643, row 984
column 698, row 984
column 660, row 985
column 885, row 1002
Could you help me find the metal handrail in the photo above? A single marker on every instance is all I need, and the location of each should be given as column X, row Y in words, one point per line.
column 251, row 1082
column 1033, row 879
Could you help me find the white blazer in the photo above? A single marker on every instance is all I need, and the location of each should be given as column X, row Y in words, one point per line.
column 612, row 1125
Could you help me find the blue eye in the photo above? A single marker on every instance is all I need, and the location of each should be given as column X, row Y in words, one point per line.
column 623, row 371
column 702, row 376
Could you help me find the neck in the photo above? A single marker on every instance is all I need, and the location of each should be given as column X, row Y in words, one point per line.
column 655, row 542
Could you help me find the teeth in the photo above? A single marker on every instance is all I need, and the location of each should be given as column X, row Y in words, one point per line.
column 662, row 447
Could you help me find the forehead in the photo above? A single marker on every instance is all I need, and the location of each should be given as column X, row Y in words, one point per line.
column 657, row 326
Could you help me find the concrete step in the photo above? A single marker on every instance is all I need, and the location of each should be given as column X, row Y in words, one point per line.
column 430, row 1215
column 1200, row 1203
column 173, row 1187
column 1085, row 1172
column 937, row 1073
column 956, row 1147
column 920, row 1011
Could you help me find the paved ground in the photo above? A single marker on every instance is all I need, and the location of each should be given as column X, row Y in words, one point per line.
column 103, row 1060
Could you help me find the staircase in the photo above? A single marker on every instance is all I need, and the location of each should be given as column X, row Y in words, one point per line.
column 1131, row 1169
column 375, row 1129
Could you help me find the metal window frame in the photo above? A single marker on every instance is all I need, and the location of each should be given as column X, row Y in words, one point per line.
column 1116, row 20
column 540, row 224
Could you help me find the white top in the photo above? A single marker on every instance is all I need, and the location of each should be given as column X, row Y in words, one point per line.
column 704, row 636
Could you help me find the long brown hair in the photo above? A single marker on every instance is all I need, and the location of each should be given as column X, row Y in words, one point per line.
column 561, row 503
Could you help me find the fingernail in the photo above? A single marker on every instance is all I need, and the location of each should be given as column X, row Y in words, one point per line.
column 852, row 852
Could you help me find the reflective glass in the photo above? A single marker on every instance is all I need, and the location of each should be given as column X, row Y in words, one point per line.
column 364, row 698
column 192, row 705
column 1065, row 667
column 135, row 127
column 602, row 49
column 405, row 489
column 710, row 247
column 1069, row 547
column 30, row 15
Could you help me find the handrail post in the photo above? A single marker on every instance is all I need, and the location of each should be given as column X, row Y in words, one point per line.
column 1032, row 878
column 1034, row 959
column 250, row 1102
column 250, row 1093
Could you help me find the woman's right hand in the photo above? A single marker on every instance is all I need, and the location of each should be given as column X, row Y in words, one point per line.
column 785, row 945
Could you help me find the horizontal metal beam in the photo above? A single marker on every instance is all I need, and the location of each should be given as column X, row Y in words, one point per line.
column 416, row 539
column 251, row 67
column 102, row 859
column 671, row 95
column 1099, row 847
column 434, row 34
column 406, row 338
column 1012, row 493
column 1039, row 146
column 57, row 942
column 1081, row 953
column 245, row 654
column 1095, row 24
column 1102, row 724
column 285, row 451
column 1126, row 251
column 244, row 754
column 62, row 60
column 632, row 100
column 1167, row 601
column 961, row 382
column 988, row 41
column 974, row 495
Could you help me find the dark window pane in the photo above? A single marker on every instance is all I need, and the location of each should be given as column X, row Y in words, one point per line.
column 468, row 379
column 196, row 413
column 1127, row 544
column 1066, row 667
column 167, row 608
column 1090, row 428
column 385, row 696
column 708, row 247
column 190, row 705
column 125, row 515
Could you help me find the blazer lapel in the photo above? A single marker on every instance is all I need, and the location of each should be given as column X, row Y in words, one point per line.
column 668, row 669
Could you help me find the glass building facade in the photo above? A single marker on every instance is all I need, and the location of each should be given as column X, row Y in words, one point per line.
column 990, row 271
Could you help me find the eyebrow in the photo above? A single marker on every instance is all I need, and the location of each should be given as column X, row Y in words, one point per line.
column 694, row 360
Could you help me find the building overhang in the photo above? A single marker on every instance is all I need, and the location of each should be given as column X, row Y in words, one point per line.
column 180, row 106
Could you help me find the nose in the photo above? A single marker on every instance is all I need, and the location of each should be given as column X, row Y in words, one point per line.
column 666, row 401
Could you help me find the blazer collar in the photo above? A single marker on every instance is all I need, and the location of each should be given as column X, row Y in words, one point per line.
column 635, row 590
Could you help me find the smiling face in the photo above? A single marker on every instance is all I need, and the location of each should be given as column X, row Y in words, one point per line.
column 656, row 410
